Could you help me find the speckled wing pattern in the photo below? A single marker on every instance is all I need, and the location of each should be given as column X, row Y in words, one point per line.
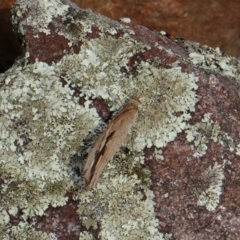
column 109, row 142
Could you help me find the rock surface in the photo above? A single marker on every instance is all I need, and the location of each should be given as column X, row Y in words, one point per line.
column 177, row 175
column 215, row 23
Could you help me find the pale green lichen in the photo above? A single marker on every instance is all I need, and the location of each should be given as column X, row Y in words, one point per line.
column 238, row 149
column 42, row 127
column 213, row 59
column 25, row 231
column 4, row 217
column 202, row 132
column 121, row 203
column 210, row 196
column 42, row 13
column 86, row 236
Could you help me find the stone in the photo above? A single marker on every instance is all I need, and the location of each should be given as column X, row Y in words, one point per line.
column 176, row 176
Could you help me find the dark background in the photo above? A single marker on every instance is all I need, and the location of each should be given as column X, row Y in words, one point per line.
column 212, row 22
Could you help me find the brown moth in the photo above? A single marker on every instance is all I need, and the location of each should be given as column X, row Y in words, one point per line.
column 109, row 142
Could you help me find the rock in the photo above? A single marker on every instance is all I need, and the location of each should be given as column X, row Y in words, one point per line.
column 176, row 175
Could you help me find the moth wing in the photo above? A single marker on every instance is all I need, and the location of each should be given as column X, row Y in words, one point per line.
column 89, row 162
column 112, row 139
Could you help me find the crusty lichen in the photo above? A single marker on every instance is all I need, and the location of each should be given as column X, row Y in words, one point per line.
column 212, row 59
column 202, row 132
column 25, row 231
column 86, row 236
column 210, row 196
column 121, row 203
column 42, row 13
column 42, row 126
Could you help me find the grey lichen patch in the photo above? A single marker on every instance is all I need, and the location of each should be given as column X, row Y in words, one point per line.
column 42, row 13
column 210, row 196
column 202, row 132
column 168, row 97
column 129, row 216
column 77, row 23
column 4, row 217
column 213, row 59
column 98, row 69
column 85, row 20
column 42, row 125
column 121, row 203
column 86, row 236
column 82, row 22
column 25, row 231
column 238, row 149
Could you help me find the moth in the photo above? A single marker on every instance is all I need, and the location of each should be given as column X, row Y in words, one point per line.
column 109, row 142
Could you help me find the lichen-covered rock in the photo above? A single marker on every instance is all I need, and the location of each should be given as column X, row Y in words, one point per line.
column 176, row 175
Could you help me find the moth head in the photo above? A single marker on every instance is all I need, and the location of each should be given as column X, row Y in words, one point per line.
column 133, row 103
column 137, row 98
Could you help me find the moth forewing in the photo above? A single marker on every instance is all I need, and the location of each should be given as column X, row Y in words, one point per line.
column 109, row 142
column 97, row 148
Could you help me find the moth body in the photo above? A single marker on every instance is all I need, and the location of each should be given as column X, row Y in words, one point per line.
column 109, row 142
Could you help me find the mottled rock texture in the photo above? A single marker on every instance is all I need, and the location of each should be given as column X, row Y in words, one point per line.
column 177, row 174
